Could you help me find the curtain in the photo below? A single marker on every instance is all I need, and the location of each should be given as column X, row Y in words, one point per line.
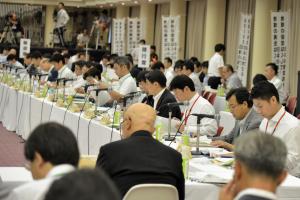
column 195, row 28
column 293, row 6
column 234, row 10
column 162, row 10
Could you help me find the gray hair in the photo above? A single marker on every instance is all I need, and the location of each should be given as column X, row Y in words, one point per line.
column 261, row 153
column 123, row 60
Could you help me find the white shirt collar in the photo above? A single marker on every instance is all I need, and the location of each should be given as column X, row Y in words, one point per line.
column 242, row 122
column 123, row 78
column 256, row 192
column 60, row 170
column 278, row 115
column 157, row 97
column 62, row 69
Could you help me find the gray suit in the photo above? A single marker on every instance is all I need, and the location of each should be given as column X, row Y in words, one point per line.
column 252, row 121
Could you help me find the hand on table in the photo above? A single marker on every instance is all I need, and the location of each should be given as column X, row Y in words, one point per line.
column 220, row 143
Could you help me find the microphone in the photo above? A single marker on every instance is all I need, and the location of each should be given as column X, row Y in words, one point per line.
column 87, row 86
column 97, row 90
column 185, row 103
column 132, row 95
column 204, row 115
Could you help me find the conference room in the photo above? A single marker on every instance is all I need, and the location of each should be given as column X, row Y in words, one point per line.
column 149, row 99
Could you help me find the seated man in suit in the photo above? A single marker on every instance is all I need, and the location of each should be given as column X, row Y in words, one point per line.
column 156, row 86
column 259, row 168
column 184, row 90
column 139, row 158
column 51, row 151
column 240, row 105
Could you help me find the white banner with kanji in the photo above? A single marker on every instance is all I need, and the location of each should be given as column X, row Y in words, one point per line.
column 119, row 33
column 170, row 37
column 242, row 57
column 280, row 42
column 135, row 32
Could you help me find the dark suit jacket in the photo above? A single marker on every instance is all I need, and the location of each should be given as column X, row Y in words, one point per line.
column 252, row 122
column 53, row 74
column 163, row 109
column 148, row 100
column 141, row 159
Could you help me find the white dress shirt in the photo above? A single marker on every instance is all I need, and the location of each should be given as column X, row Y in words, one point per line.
column 279, row 86
column 202, row 106
column 157, row 97
column 65, row 72
column 126, row 85
column 37, row 189
column 62, row 18
column 79, row 82
column 196, row 80
column 288, row 130
column 256, row 192
column 215, row 62
column 169, row 74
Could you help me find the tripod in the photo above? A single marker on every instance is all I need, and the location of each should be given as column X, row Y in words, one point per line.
column 8, row 35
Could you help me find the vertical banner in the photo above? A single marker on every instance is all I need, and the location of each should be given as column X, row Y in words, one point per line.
column 118, row 43
column 24, row 47
column 135, row 32
column 280, row 42
column 144, row 56
column 170, row 37
column 242, row 57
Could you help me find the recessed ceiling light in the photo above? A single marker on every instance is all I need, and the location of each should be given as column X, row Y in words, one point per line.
column 136, row 2
column 111, row 5
column 149, row 0
column 123, row 3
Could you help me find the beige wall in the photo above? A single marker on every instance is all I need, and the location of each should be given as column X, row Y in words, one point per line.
column 122, row 11
column 49, row 26
column 261, row 50
column 214, row 26
column 147, row 16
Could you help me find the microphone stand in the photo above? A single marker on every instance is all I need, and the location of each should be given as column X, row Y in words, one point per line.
column 169, row 138
column 199, row 118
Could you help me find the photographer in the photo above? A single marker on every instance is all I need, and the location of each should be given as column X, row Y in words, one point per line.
column 13, row 30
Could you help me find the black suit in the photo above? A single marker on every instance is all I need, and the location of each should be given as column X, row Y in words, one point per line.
column 162, row 108
column 141, row 159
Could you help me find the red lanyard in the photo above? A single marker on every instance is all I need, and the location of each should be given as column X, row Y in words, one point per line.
column 189, row 113
column 276, row 123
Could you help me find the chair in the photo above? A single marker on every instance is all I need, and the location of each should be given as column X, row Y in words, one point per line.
column 152, row 191
column 211, row 98
column 205, row 94
column 298, row 116
column 227, row 121
column 291, row 104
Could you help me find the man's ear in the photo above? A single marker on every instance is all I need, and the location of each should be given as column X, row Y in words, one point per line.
column 282, row 177
column 38, row 159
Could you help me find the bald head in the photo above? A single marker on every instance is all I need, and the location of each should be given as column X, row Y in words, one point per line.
column 138, row 117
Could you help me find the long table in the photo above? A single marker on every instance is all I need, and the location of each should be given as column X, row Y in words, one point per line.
column 22, row 112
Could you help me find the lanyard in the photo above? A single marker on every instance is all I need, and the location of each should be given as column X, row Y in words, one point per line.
column 187, row 115
column 276, row 124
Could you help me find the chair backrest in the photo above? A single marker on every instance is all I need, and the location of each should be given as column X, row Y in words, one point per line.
column 152, row 192
column 212, row 98
column 291, row 105
column 205, row 94
column 227, row 121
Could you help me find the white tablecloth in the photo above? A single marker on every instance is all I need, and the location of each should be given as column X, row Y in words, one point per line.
column 22, row 112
